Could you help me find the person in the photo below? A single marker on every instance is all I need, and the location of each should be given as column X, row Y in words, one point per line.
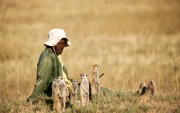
column 50, row 65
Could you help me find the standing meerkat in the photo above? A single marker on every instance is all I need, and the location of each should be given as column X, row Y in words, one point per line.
column 84, row 90
column 95, row 80
column 59, row 94
column 74, row 90
column 148, row 92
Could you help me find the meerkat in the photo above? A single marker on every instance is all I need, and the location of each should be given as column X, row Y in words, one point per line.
column 148, row 91
column 84, row 90
column 59, row 94
column 95, row 80
column 74, row 90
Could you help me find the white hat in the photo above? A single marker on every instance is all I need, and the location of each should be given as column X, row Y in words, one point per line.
column 54, row 36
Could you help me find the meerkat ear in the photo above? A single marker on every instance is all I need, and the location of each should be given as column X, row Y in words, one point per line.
column 86, row 74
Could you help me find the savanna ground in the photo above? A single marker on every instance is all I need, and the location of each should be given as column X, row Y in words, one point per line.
column 131, row 41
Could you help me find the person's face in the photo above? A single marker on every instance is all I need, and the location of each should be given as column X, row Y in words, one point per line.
column 60, row 46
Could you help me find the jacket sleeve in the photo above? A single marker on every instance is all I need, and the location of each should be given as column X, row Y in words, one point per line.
column 43, row 75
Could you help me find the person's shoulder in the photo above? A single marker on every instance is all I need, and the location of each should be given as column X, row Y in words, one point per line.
column 47, row 54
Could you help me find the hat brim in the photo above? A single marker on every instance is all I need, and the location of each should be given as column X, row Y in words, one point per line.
column 54, row 42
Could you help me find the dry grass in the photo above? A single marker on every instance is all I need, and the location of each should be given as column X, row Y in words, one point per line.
column 131, row 40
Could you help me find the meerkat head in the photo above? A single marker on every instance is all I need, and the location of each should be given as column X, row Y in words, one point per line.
column 95, row 67
column 59, row 78
column 74, row 81
column 83, row 75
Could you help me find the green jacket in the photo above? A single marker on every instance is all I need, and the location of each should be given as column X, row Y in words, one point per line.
column 48, row 68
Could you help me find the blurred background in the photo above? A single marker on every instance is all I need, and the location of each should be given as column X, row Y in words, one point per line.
column 131, row 41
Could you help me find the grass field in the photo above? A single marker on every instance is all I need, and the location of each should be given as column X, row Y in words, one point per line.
column 131, row 41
